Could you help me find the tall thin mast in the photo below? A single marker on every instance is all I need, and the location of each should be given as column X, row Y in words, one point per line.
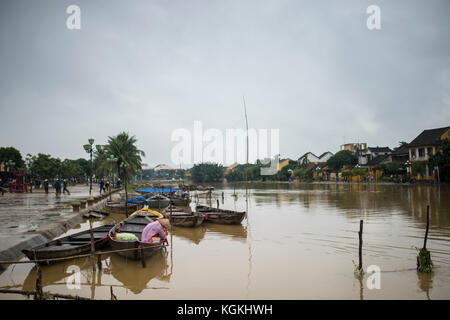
column 246, row 168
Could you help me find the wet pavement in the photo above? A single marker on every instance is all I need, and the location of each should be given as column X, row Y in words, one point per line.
column 26, row 212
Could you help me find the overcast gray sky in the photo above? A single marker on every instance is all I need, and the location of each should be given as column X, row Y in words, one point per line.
column 310, row 68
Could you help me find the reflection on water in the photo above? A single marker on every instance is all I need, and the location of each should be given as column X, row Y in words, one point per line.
column 425, row 282
column 138, row 279
column 192, row 234
column 298, row 241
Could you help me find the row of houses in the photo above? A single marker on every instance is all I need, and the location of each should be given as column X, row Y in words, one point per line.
column 419, row 149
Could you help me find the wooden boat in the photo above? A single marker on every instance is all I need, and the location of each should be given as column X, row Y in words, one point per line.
column 135, row 225
column 182, row 217
column 158, row 201
column 177, row 201
column 72, row 245
column 221, row 216
column 114, row 207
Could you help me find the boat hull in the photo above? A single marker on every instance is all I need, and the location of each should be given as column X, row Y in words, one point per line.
column 224, row 218
column 149, row 249
column 180, row 202
column 135, row 225
column 158, row 204
column 220, row 216
column 119, row 208
column 72, row 245
column 188, row 221
column 181, row 217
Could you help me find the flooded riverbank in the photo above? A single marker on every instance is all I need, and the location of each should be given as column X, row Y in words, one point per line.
column 299, row 241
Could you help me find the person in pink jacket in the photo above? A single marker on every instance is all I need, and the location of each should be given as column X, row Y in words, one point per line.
column 155, row 229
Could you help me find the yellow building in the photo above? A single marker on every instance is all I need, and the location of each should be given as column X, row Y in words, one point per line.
column 230, row 168
column 283, row 164
column 354, row 147
column 425, row 145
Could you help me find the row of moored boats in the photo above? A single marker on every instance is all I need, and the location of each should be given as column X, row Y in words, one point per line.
column 105, row 236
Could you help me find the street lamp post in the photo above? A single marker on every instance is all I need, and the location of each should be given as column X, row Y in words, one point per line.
column 88, row 148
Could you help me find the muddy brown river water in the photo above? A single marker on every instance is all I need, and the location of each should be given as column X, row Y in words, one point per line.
column 299, row 241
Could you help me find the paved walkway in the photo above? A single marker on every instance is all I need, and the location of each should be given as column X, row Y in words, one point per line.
column 26, row 212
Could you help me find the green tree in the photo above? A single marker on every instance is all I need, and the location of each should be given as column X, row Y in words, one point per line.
column 85, row 166
column 207, row 172
column 341, row 159
column 442, row 160
column 71, row 169
column 123, row 147
column 11, row 153
column 44, row 166
column 304, row 173
column 236, row 175
column 418, row 168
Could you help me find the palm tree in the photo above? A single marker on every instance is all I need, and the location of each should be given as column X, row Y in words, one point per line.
column 123, row 147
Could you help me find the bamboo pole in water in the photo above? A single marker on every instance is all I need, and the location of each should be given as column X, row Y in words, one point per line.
column 99, row 262
column 113, row 296
column 360, row 244
column 427, row 227
column 39, row 294
column 44, row 294
column 424, row 262
column 46, row 261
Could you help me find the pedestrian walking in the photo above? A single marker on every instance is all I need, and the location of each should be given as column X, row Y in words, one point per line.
column 102, row 185
column 46, row 185
column 65, row 187
column 57, row 186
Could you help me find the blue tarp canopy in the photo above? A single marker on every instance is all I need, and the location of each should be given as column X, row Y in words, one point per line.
column 157, row 190
column 137, row 200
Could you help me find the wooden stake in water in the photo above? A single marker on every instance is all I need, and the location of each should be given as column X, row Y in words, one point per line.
column 427, row 227
column 424, row 262
column 360, row 244
column 92, row 237
column 113, row 296
column 39, row 294
column 99, row 262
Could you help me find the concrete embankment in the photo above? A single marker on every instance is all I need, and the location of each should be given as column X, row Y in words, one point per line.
column 12, row 244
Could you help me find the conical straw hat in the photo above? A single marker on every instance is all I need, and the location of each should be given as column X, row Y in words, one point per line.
column 165, row 223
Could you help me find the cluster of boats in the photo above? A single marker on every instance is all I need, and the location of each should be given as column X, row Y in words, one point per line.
column 106, row 236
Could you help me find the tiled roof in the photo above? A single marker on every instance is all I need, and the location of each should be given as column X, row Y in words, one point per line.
column 320, row 157
column 429, row 137
column 403, row 150
column 307, row 154
column 379, row 149
column 378, row 159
